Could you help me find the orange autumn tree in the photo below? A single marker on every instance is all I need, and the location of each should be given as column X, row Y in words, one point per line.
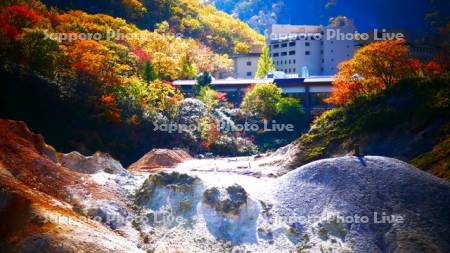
column 435, row 67
column 347, row 85
column 374, row 67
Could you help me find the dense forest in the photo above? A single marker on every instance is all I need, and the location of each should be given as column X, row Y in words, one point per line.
column 191, row 18
column 110, row 85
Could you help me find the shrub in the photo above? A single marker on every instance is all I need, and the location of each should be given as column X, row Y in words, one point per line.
column 209, row 97
column 261, row 100
column 290, row 110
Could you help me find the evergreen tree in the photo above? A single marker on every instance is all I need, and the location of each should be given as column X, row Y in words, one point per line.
column 148, row 73
column 265, row 64
column 204, row 79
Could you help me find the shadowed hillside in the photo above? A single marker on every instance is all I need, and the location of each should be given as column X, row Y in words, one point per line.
column 406, row 121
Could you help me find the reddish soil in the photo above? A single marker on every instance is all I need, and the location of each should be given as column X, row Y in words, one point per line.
column 28, row 159
column 159, row 159
column 32, row 182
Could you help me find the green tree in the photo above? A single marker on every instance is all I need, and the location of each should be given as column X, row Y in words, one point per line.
column 261, row 100
column 209, row 97
column 290, row 110
column 265, row 64
column 148, row 74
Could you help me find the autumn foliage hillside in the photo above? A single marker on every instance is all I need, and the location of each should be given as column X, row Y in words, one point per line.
column 93, row 82
column 190, row 18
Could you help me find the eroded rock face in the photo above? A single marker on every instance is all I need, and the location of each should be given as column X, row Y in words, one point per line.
column 37, row 199
column 174, row 193
column 111, row 213
column 13, row 130
column 91, row 164
column 229, row 202
column 160, row 159
column 229, row 214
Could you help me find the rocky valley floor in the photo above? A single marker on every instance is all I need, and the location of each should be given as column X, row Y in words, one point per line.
column 171, row 202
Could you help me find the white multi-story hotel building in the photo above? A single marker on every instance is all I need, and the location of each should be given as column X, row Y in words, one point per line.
column 310, row 50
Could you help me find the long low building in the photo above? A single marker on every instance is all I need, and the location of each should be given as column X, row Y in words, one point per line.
column 311, row 90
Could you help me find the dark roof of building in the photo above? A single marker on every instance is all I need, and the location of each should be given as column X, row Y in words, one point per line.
column 246, row 55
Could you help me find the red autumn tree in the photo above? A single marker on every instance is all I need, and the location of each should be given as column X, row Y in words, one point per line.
column 374, row 67
column 142, row 55
column 15, row 18
column 432, row 68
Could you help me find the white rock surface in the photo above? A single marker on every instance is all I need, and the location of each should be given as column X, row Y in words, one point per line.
column 91, row 164
column 352, row 186
column 314, row 208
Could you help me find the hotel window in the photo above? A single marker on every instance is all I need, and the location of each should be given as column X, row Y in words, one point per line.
column 293, row 70
column 276, row 54
column 321, row 51
column 332, row 50
column 249, row 73
column 291, row 52
column 294, row 61
column 249, row 63
column 292, row 44
column 284, row 45
column 276, row 46
column 289, row 61
column 332, row 59
column 307, row 53
column 307, row 44
column 283, row 53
